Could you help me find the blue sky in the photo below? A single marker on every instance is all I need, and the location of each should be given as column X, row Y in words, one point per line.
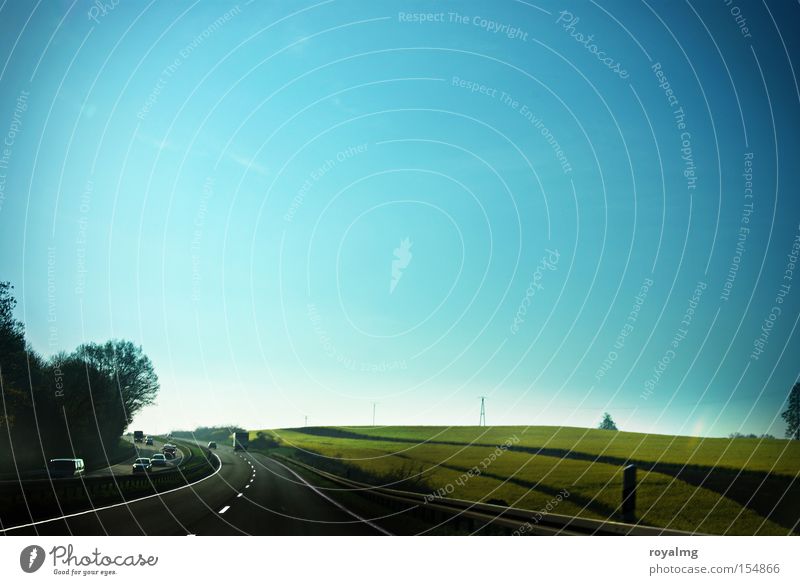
column 226, row 184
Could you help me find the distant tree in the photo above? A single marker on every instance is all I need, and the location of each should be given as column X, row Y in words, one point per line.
column 607, row 424
column 792, row 413
column 264, row 441
column 220, row 433
column 750, row 436
column 129, row 368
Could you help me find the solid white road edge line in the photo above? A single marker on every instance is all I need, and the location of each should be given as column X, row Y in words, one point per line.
column 332, row 501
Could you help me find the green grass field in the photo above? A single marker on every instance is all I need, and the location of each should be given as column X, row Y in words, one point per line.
column 720, row 486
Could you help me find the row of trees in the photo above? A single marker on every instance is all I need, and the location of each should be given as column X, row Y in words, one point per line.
column 71, row 405
column 223, row 435
column 217, row 433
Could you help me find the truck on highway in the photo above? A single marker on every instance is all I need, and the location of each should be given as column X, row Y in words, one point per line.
column 241, row 441
column 138, row 436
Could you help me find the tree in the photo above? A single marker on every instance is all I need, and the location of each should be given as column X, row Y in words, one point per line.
column 13, row 359
column 131, row 370
column 607, row 424
column 89, row 407
column 69, row 405
column 9, row 326
column 19, row 368
column 792, row 413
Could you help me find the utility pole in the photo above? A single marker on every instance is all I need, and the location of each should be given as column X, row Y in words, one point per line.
column 373, row 413
column 306, row 421
column 482, row 422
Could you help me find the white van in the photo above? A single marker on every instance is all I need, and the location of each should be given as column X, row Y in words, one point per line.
column 66, row 467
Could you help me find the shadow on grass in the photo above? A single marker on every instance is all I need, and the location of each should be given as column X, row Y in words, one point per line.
column 604, row 511
column 773, row 496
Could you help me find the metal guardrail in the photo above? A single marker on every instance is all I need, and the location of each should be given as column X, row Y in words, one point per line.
column 42, row 478
column 94, row 485
column 478, row 513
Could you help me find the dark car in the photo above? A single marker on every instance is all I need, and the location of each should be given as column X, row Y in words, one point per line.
column 212, row 445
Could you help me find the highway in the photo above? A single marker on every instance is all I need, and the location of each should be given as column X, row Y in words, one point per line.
column 249, row 494
column 126, row 467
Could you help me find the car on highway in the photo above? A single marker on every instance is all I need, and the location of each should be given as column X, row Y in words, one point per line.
column 212, row 445
column 169, row 448
column 65, row 467
column 138, row 436
column 142, row 465
column 158, row 460
column 148, row 441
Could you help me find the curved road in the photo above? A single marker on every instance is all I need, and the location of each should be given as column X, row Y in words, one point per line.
column 249, row 494
column 142, row 450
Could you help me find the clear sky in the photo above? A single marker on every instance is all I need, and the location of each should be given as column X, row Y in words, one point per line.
column 304, row 208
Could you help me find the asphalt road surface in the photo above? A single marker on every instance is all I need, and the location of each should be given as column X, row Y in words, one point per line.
column 126, row 467
column 249, row 494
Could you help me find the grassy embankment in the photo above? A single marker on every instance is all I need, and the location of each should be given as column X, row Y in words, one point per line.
column 730, row 486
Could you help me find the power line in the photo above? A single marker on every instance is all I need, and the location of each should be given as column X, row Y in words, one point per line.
column 482, row 422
